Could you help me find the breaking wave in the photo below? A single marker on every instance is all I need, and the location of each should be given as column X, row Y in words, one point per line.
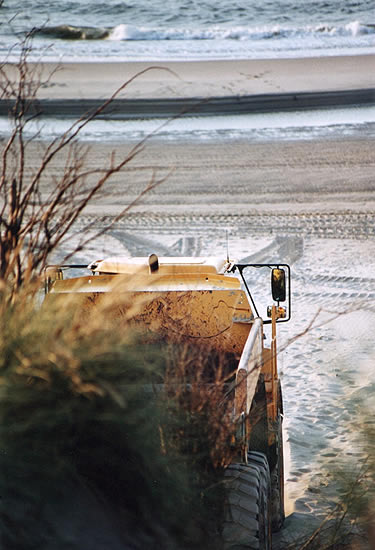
column 124, row 32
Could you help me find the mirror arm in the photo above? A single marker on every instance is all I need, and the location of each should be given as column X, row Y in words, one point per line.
column 240, row 269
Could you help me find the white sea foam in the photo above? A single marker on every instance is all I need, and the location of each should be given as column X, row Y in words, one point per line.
column 184, row 30
column 298, row 125
column 134, row 42
column 132, row 32
column 357, row 29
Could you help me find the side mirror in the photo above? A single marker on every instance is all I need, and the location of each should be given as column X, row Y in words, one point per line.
column 278, row 284
column 51, row 274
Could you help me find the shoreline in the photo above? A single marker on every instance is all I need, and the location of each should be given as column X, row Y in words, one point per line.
column 207, row 87
column 213, row 106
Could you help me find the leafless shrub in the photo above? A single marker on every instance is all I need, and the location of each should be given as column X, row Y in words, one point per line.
column 36, row 219
column 200, row 380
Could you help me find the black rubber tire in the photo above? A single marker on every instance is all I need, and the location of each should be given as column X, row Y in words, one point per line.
column 277, row 473
column 247, row 514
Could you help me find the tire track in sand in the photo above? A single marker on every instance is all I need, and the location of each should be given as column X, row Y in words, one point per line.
column 358, row 225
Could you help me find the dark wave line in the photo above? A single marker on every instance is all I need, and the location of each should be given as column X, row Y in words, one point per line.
column 69, row 32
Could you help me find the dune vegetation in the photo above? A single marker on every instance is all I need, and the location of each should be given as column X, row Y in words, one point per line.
column 93, row 420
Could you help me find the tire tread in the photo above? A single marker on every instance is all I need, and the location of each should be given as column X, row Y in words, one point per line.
column 246, row 485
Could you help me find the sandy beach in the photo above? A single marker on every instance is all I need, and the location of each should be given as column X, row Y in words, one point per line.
column 238, row 178
column 211, row 78
column 258, row 121
column 206, row 87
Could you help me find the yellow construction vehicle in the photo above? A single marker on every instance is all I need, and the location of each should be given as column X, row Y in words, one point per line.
column 211, row 299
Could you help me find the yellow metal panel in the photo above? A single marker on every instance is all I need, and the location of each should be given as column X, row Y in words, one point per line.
column 147, row 283
column 186, row 297
column 222, row 318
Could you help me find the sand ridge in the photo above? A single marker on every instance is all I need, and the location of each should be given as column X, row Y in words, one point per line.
column 205, row 87
column 211, row 78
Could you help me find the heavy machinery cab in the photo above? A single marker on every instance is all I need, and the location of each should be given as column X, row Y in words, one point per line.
column 209, row 302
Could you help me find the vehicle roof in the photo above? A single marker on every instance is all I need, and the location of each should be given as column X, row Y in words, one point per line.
column 166, row 265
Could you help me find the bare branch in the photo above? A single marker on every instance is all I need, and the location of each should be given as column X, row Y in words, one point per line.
column 149, row 187
column 32, row 223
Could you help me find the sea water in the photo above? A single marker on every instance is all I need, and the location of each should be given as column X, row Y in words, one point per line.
column 93, row 30
column 121, row 30
column 350, row 122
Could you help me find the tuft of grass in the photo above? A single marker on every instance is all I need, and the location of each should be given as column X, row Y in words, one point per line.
column 117, row 425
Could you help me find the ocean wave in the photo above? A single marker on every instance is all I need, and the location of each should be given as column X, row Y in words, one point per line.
column 70, row 32
column 131, row 32
column 128, row 32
